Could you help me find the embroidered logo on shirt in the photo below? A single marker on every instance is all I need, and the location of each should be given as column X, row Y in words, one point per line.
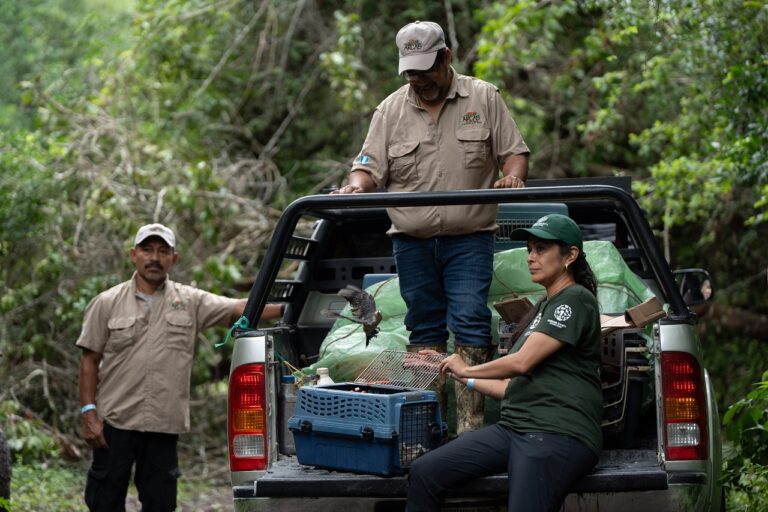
column 363, row 159
column 471, row 118
column 412, row 45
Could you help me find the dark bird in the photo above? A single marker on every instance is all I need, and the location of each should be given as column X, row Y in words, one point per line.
column 363, row 308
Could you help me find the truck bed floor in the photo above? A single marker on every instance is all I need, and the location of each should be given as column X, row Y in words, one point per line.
column 617, row 471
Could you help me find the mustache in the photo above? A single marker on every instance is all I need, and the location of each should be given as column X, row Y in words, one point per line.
column 154, row 265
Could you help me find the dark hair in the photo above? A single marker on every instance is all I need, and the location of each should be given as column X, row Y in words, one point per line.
column 582, row 274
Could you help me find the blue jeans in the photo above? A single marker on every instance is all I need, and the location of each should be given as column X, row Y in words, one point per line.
column 444, row 281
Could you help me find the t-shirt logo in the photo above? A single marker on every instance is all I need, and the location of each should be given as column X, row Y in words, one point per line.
column 563, row 312
column 471, row 118
column 533, row 324
column 412, row 45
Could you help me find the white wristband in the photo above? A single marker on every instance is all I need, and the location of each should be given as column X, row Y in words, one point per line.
column 87, row 407
column 470, row 384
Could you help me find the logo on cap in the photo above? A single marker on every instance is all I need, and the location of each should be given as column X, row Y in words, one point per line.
column 412, row 45
column 159, row 230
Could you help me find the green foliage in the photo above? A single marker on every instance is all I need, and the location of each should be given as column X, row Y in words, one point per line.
column 745, row 468
column 345, row 65
column 41, row 41
column 212, row 116
column 746, row 424
column 672, row 93
column 734, row 363
column 40, row 487
column 28, row 438
column 750, row 489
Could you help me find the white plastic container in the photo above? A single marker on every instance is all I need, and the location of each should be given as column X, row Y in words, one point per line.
column 325, row 379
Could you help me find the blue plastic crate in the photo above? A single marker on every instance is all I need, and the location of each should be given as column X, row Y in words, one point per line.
column 520, row 215
column 372, row 429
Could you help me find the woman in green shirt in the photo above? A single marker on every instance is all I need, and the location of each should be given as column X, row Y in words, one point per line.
column 549, row 435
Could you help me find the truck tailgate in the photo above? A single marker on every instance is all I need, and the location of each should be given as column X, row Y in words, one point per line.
column 617, row 471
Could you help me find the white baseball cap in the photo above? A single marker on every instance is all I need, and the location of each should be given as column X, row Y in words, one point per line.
column 418, row 44
column 149, row 230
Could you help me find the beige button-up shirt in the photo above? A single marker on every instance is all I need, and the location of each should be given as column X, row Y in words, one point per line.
column 406, row 151
column 147, row 351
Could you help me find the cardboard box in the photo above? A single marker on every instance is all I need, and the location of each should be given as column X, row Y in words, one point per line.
column 637, row 316
column 512, row 310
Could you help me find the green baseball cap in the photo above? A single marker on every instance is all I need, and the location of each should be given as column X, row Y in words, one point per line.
column 552, row 227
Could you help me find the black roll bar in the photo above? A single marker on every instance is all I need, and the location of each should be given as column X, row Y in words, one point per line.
column 641, row 231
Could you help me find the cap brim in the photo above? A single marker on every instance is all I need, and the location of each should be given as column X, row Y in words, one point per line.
column 420, row 62
column 161, row 237
column 524, row 233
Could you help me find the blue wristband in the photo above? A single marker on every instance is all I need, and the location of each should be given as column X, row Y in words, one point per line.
column 87, row 407
column 470, row 384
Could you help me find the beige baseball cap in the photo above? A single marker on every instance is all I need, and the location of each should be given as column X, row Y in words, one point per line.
column 149, row 230
column 418, row 44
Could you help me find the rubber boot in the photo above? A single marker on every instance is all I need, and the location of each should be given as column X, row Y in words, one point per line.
column 470, row 405
column 438, row 386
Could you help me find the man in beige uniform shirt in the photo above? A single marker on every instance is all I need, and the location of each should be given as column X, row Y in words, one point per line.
column 137, row 342
column 442, row 131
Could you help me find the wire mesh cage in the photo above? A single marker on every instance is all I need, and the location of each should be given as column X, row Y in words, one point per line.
column 420, row 431
column 404, row 369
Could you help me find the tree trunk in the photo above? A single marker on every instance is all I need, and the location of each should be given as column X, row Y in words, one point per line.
column 750, row 324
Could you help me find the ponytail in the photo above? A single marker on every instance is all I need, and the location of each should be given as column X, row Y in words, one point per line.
column 582, row 272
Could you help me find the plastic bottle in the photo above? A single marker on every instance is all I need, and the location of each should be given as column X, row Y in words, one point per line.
column 288, row 403
column 325, row 379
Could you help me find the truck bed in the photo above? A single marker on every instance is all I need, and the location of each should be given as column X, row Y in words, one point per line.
column 617, row 470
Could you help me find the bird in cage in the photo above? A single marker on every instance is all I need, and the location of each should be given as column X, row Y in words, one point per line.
column 363, row 308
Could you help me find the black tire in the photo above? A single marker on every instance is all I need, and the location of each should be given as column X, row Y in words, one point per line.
column 5, row 469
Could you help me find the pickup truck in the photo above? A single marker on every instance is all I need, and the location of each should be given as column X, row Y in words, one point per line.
column 662, row 450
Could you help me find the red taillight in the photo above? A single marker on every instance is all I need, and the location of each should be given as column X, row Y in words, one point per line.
column 685, row 418
column 248, row 418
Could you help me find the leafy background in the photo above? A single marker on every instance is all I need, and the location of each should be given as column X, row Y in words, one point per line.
column 212, row 115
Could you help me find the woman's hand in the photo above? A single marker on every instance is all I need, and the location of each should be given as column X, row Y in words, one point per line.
column 454, row 365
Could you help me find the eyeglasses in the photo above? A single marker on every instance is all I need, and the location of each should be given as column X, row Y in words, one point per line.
column 411, row 74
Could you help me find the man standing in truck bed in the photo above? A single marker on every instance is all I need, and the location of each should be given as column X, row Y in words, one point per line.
column 442, row 131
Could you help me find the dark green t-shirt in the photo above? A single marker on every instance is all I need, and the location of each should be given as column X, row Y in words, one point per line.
column 562, row 394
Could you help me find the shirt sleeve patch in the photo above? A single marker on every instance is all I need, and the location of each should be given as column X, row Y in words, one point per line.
column 562, row 313
column 363, row 159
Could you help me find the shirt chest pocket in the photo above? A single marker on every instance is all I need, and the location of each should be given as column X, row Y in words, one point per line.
column 475, row 145
column 178, row 331
column 402, row 161
column 122, row 332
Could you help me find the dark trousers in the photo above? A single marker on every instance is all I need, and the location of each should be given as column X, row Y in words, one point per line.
column 542, row 468
column 157, row 470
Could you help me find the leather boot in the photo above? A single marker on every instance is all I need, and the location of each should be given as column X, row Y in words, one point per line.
column 438, row 386
column 470, row 405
